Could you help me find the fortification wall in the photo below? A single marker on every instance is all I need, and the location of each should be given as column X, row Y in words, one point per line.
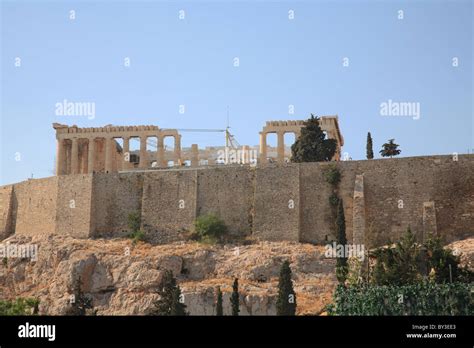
column 115, row 196
column 169, row 204
column 228, row 193
column 34, row 204
column 74, row 205
column 6, row 193
column 287, row 202
column 277, row 203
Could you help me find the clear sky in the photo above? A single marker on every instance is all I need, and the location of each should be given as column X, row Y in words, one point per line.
column 190, row 62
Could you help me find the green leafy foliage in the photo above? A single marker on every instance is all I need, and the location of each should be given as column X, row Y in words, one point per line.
column 341, row 262
column 409, row 262
column 369, row 147
column 134, row 223
column 219, row 309
column 81, row 304
column 332, row 175
column 235, row 298
column 169, row 303
column 424, row 298
column 286, row 302
column 312, row 145
column 19, row 306
column 209, row 228
column 390, row 149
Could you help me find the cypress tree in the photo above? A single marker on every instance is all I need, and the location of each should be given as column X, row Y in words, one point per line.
column 170, row 295
column 286, row 302
column 341, row 240
column 311, row 145
column 81, row 303
column 234, row 298
column 219, row 309
column 370, row 151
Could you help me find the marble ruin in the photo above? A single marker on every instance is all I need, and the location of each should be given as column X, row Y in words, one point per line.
column 107, row 149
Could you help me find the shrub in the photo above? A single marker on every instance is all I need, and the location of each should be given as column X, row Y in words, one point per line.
column 20, row 306
column 332, row 175
column 424, row 298
column 134, row 221
column 209, row 228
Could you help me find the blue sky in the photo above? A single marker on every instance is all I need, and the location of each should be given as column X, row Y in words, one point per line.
column 190, row 62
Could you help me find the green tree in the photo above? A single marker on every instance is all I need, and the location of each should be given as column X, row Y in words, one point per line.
column 341, row 240
column 370, row 151
column 235, row 298
column 390, row 149
column 399, row 265
column 209, row 228
column 286, row 302
column 80, row 304
column 169, row 303
column 312, row 145
column 219, row 309
column 443, row 264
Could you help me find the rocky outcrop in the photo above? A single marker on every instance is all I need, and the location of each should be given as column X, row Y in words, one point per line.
column 122, row 278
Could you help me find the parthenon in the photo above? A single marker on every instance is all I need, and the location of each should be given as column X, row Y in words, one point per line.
column 98, row 149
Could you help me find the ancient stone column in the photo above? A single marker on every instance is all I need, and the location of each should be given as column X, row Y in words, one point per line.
column 245, row 156
column 194, row 155
column 126, row 153
column 108, row 155
column 161, row 152
column 60, row 157
column 143, row 155
column 74, row 156
column 263, row 147
column 91, row 155
column 281, row 147
column 177, row 150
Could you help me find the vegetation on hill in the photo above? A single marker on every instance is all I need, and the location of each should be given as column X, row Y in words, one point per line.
column 209, row 228
column 409, row 278
column 171, row 302
column 80, row 304
column 235, row 298
column 19, row 306
column 134, row 224
column 286, row 301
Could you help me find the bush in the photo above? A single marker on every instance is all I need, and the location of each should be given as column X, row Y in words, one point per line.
column 20, row 306
column 424, row 298
column 134, row 221
column 209, row 228
column 332, row 175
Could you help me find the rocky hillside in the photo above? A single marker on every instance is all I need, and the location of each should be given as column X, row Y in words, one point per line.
column 122, row 278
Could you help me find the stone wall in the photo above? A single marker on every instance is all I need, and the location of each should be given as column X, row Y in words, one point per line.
column 279, row 202
column 115, row 196
column 169, row 204
column 34, row 206
column 6, row 194
column 74, row 205
column 228, row 193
